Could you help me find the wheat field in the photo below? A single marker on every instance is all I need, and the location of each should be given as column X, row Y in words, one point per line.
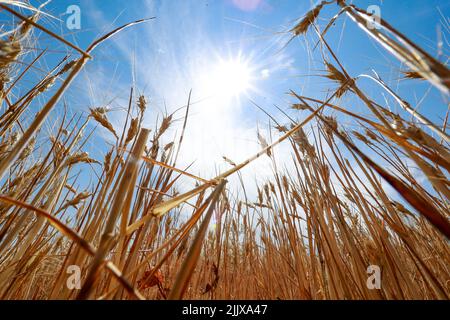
column 311, row 232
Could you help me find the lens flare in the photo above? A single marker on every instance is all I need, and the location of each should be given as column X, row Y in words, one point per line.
column 247, row 5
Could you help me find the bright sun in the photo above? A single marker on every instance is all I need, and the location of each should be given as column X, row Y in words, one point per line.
column 227, row 79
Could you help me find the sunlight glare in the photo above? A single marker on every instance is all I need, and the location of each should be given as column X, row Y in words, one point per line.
column 227, row 79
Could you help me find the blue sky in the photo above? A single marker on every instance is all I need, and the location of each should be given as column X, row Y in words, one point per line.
column 168, row 56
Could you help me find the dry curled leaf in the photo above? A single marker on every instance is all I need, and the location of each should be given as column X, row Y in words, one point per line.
column 149, row 280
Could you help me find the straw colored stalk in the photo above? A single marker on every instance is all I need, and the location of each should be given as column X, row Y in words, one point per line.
column 116, row 208
column 191, row 260
column 405, row 50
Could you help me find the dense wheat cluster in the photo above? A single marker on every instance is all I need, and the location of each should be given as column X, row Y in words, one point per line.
column 311, row 232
